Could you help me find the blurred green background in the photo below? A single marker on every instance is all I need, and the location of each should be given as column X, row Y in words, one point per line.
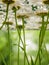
column 32, row 41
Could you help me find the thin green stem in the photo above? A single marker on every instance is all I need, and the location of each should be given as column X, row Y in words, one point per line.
column 40, row 42
column 17, row 28
column 9, row 44
column 5, row 17
column 21, row 38
column 3, row 25
column 19, row 45
column 44, row 44
column 3, row 59
column 41, row 38
column 27, row 58
column 25, row 54
column 46, row 53
column 24, row 38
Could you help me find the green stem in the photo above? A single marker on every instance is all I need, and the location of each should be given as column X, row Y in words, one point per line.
column 44, row 44
column 27, row 58
column 19, row 45
column 5, row 17
column 3, row 25
column 17, row 28
column 25, row 54
column 9, row 44
column 3, row 59
column 21, row 38
column 41, row 38
column 40, row 42
column 46, row 53
column 24, row 38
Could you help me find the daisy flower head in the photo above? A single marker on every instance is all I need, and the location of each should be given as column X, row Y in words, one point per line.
column 8, row 1
column 45, row 1
column 16, row 6
column 42, row 12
